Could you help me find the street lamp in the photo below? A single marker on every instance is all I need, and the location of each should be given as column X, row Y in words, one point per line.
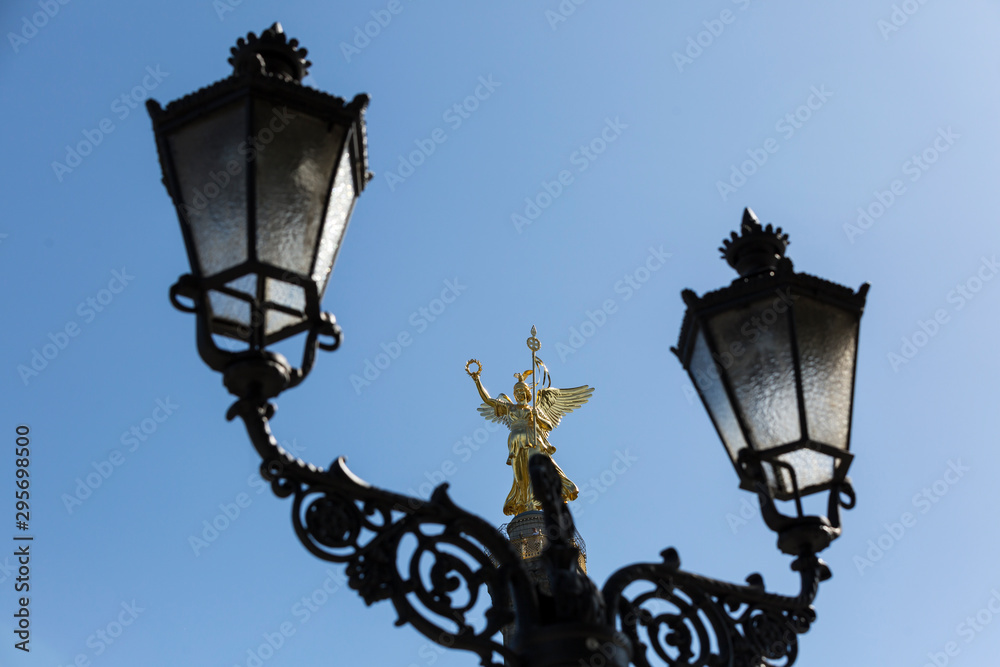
column 264, row 174
column 773, row 358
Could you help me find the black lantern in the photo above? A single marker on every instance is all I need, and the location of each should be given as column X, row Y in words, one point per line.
column 264, row 173
column 773, row 358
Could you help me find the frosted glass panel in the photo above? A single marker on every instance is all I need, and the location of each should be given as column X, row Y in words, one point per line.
column 211, row 175
column 294, row 172
column 811, row 469
column 827, row 345
column 288, row 295
column 760, row 368
column 339, row 212
column 225, row 307
column 285, row 294
column 245, row 284
column 277, row 321
column 706, row 377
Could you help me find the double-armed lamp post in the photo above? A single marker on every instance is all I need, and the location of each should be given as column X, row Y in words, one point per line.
column 264, row 174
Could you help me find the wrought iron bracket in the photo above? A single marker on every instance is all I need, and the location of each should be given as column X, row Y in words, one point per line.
column 453, row 558
column 690, row 620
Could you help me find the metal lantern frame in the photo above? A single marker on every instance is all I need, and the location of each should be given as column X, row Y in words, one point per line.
column 758, row 254
column 267, row 70
column 431, row 559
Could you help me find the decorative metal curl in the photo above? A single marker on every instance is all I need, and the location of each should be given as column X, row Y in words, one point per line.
column 450, row 556
column 713, row 623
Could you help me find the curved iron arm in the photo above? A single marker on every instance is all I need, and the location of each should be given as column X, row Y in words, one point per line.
column 714, row 623
column 702, row 622
column 453, row 556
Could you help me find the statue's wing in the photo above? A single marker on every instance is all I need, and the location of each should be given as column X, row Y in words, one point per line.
column 554, row 403
column 497, row 412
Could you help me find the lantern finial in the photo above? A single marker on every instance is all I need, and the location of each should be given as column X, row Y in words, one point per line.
column 756, row 249
column 271, row 54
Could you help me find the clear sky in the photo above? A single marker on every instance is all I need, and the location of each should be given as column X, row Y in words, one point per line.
column 873, row 134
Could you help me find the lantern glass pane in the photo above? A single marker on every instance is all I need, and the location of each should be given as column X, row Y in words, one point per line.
column 231, row 309
column 245, row 284
column 756, row 351
column 339, row 212
column 827, row 337
column 706, row 376
column 812, row 469
column 294, row 172
column 288, row 295
column 211, row 175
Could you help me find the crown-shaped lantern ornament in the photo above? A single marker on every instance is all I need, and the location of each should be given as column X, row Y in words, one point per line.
column 271, row 54
column 755, row 249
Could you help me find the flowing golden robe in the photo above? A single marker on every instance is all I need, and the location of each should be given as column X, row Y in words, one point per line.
column 521, row 446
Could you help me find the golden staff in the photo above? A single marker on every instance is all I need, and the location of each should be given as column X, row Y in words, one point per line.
column 534, row 345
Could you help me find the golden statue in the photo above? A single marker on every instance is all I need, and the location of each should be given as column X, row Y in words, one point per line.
column 530, row 417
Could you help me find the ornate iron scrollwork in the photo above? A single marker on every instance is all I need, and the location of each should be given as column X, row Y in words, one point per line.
column 683, row 619
column 436, row 563
column 430, row 558
column 686, row 620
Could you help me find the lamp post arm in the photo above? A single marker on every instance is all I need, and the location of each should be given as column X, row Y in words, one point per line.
column 689, row 619
column 433, row 560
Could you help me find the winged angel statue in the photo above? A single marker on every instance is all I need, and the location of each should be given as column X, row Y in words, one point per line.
column 529, row 428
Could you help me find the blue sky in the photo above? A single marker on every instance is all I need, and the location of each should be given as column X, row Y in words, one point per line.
column 873, row 135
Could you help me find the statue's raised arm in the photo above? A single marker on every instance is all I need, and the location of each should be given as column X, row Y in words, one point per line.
column 492, row 409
